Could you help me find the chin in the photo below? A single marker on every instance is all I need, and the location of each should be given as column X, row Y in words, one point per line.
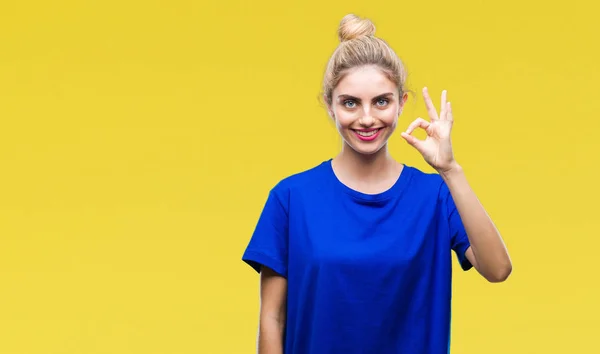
column 369, row 152
column 370, row 149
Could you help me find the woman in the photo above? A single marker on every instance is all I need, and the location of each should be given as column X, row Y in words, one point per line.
column 355, row 253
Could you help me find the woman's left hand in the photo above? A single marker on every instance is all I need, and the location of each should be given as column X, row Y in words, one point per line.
column 437, row 146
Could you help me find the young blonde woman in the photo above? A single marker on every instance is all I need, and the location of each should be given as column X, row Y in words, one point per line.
column 355, row 253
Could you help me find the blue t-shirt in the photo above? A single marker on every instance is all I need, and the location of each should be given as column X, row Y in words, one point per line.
column 366, row 273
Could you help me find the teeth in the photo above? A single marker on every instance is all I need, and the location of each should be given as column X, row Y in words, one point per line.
column 371, row 133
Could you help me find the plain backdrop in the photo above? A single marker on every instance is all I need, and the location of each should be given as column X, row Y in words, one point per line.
column 139, row 140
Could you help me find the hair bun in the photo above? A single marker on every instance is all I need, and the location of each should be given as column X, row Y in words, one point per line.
column 353, row 26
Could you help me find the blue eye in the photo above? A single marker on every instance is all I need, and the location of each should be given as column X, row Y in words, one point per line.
column 382, row 102
column 349, row 104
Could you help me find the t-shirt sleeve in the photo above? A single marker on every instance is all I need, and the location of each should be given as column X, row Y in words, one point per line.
column 459, row 242
column 268, row 245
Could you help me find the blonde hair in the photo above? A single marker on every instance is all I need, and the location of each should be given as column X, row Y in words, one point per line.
column 359, row 47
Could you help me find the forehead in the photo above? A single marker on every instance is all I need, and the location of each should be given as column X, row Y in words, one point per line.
column 366, row 81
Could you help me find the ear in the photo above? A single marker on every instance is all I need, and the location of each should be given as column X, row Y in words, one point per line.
column 402, row 102
column 329, row 108
column 404, row 98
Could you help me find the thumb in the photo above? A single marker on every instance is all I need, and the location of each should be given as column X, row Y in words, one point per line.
column 414, row 142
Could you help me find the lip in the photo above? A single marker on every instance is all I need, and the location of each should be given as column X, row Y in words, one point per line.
column 367, row 138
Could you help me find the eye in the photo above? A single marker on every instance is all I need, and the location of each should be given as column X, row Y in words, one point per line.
column 382, row 102
column 349, row 104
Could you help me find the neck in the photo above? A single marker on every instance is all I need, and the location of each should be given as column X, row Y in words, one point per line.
column 365, row 167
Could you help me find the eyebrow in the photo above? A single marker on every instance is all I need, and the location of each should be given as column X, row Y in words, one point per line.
column 346, row 97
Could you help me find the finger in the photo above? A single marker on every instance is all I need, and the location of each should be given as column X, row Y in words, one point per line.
column 429, row 104
column 411, row 140
column 443, row 106
column 417, row 123
column 449, row 114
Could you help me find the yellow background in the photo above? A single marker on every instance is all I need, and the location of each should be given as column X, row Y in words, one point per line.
column 139, row 139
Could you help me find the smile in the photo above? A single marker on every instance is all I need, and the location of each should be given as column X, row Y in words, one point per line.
column 367, row 135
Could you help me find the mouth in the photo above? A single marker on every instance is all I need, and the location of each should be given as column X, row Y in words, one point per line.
column 367, row 134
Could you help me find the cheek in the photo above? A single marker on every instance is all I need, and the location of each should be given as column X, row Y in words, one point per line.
column 391, row 117
column 343, row 119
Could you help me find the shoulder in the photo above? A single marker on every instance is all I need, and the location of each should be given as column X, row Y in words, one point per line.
column 422, row 178
column 430, row 183
column 302, row 181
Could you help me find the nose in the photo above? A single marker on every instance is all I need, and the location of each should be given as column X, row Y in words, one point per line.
column 366, row 120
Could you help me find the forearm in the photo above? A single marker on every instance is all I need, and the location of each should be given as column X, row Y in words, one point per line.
column 270, row 337
column 489, row 251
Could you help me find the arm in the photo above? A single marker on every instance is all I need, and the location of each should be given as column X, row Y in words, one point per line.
column 487, row 253
column 273, row 290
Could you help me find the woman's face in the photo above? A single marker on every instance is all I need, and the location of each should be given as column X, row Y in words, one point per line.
column 365, row 107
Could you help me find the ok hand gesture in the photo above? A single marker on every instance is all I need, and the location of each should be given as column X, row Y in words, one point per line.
column 437, row 146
